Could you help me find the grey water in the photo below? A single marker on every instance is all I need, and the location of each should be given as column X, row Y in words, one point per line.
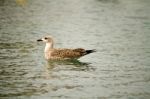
column 118, row 29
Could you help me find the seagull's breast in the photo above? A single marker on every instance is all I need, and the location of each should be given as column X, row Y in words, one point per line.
column 48, row 54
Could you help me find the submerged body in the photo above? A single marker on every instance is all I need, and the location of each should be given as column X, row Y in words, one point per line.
column 53, row 53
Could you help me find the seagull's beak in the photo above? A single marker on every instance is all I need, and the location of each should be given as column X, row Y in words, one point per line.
column 39, row 40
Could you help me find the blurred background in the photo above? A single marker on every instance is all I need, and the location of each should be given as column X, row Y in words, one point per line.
column 118, row 29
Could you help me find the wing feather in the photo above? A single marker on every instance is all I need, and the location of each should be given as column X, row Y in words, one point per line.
column 68, row 53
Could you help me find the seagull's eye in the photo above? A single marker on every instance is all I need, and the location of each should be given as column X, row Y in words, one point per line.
column 45, row 38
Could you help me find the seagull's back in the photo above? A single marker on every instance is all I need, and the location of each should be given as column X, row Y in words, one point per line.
column 68, row 53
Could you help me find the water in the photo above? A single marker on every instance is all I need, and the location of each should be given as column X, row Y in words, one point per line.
column 117, row 29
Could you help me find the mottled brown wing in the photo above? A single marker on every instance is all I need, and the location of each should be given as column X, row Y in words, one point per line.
column 68, row 53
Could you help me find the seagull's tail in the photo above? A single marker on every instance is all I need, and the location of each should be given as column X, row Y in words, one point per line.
column 90, row 51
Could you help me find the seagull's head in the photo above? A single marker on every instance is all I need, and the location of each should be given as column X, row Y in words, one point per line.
column 46, row 39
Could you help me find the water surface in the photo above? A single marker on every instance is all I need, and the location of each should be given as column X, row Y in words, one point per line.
column 118, row 29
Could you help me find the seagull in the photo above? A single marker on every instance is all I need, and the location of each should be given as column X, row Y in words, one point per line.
column 52, row 53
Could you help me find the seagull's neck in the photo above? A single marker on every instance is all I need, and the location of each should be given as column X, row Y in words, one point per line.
column 48, row 47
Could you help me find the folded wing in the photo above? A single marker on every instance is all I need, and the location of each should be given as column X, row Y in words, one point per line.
column 68, row 53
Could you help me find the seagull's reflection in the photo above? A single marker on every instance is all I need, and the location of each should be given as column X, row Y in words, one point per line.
column 54, row 66
column 73, row 64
